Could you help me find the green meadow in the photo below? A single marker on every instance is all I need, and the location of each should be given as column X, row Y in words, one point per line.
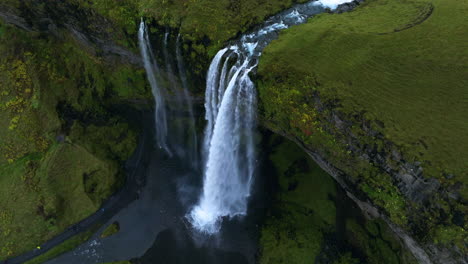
column 401, row 62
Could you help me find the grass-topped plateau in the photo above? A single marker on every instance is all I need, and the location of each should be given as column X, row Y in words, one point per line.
column 402, row 66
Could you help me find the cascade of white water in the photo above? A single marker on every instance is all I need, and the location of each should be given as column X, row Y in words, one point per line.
column 153, row 74
column 227, row 183
column 177, row 105
column 174, row 117
column 210, row 101
column 229, row 151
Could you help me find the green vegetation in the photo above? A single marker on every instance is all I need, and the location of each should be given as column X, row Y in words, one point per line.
column 377, row 242
column 396, row 67
column 210, row 23
column 123, row 13
column 66, row 246
column 413, row 80
column 293, row 230
column 111, row 230
column 308, row 215
column 399, row 64
column 61, row 148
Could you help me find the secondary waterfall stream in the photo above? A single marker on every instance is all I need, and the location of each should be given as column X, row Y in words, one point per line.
column 173, row 104
column 230, row 104
column 152, row 73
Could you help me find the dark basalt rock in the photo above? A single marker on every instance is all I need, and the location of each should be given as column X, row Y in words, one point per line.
column 346, row 7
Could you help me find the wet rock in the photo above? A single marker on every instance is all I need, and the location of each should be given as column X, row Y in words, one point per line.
column 346, row 7
column 396, row 155
column 458, row 218
column 338, row 122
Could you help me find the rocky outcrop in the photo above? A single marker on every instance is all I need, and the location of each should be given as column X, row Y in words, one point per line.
column 421, row 194
column 346, row 7
column 96, row 34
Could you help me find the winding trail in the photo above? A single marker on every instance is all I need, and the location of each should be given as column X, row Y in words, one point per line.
column 429, row 10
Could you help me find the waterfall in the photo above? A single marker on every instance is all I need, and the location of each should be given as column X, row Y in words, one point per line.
column 153, row 74
column 228, row 172
column 177, row 105
column 230, row 104
column 192, row 151
column 174, row 117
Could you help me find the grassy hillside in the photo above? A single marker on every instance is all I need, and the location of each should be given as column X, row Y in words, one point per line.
column 61, row 149
column 414, row 81
column 401, row 65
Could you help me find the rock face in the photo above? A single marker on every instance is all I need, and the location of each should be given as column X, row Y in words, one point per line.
column 408, row 176
column 370, row 210
column 421, row 194
column 347, row 6
column 86, row 27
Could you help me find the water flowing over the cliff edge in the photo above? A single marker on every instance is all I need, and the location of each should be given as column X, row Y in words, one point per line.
column 174, row 118
column 152, row 73
column 230, row 103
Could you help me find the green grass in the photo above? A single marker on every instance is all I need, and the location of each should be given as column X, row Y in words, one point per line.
column 414, row 81
column 41, row 196
column 401, row 65
column 212, row 20
column 293, row 232
column 111, row 230
column 297, row 169
column 64, row 247
column 45, row 185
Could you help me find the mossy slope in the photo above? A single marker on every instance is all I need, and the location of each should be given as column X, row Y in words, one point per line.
column 61, row 148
